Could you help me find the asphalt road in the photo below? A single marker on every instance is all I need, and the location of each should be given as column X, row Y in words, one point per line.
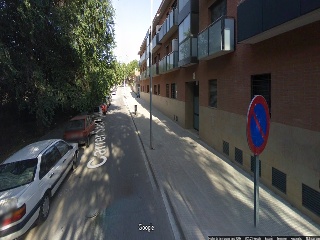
column 109, row 195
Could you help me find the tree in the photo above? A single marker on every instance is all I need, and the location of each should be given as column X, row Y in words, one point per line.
column 55, row 56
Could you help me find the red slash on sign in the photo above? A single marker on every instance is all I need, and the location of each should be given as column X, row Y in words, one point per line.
column 258, row 124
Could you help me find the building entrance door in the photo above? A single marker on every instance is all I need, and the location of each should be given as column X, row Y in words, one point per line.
column 196, row 106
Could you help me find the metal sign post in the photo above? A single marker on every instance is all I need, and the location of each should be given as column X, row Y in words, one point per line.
column 256, row 190
column 258, row 125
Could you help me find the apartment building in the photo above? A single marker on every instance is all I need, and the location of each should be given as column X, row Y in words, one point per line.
column 211, row 57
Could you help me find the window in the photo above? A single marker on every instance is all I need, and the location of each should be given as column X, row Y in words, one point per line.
column 158, row 89
column 62, row 147
column 173, row 90
column 213, row 93
column 48, row 160
column 218, row 9
column 184, row 29
column 167, row 90
column 155, row 89
column 147, row 88
column 261, row 85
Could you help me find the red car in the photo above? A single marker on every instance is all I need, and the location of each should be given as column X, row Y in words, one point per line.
column 79, row 130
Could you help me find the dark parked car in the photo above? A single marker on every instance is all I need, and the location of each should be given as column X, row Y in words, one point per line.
column 79, row 130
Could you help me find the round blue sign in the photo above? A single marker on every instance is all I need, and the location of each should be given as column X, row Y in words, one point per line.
column 258, row 124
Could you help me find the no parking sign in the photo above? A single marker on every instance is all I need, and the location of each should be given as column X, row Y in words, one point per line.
column 258, row 124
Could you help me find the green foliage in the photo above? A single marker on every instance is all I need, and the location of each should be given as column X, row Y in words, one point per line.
column 125, row 71
column 55, row 55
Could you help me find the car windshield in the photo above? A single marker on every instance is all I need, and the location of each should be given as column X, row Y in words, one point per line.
column 16, row 174
column 75, row 125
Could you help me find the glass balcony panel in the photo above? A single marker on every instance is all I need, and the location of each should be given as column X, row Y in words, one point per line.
column 171, row 18
column 184, row 50
column 215, row 37
column 229, row 35
column 172, row 60
column 162, row 65
column 194, row 47
column 203, row 44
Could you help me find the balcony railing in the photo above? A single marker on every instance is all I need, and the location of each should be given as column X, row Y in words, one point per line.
column 172, row 60
column 169, row 26
column 155, row 69
column 188, row 52
column 217, row 39
column 143, row 58
column 169, row 62
column 143, row 75
column 155, row 43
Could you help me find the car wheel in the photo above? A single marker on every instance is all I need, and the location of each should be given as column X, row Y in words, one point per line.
column 44, row 208
column 75, row 161
column 88, row 141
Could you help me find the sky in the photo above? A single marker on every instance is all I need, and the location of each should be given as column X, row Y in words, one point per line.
column 132, row 20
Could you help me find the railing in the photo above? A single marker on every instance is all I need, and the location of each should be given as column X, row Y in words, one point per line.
column 171, row 20
column 188, row 49
column 168, row 62
column 172, row 60
column 142, row 58
column 155, row 69
column 143, row 75
column 155, row 41
column 217, row 38
column 163, row 65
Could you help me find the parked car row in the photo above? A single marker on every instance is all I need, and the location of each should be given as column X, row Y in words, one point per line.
column 32, row 175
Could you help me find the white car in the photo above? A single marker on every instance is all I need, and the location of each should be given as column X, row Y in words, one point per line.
column 28, row 179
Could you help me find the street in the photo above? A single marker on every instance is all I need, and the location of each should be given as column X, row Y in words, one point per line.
column 109, row 195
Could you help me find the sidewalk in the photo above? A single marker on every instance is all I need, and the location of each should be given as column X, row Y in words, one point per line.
column 209, row 195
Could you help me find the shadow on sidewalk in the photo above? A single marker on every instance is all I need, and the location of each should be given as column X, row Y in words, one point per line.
column 217, row 193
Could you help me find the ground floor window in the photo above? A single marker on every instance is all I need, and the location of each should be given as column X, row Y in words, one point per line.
column 261, row 85
column 213, row 93
column 173, row 90
column 147, row 88
column 167, row 90
column 155, row 89
column 158, row 89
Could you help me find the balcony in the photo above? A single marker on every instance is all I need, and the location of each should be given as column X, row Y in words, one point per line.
column 217, row 39
column 188, row 52
column 169, row 26
column 143, row 58
column 143, row 75
column 259, row 20
column 155, row 69
column 169, row 63
column 155, row 43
